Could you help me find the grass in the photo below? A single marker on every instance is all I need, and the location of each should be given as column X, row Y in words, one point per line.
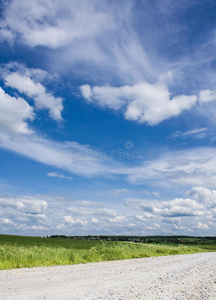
column 20, row 252
column 39, row 241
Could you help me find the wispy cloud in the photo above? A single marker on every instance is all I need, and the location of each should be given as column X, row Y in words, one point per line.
column 195, row 133
column 54, row 174
column 70, row 156
column 119, row 191
column 187, row 168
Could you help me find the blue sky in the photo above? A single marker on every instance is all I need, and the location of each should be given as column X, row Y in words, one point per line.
column 107, row 117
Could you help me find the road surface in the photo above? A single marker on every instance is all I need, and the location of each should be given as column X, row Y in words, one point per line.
column 191, row 276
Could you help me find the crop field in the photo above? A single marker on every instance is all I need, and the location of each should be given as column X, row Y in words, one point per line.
column 21, row 252
column 28, row 241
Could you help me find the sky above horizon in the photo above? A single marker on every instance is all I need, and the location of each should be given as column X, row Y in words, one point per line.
column 107, row 117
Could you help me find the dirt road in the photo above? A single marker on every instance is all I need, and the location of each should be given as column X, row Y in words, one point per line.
column 191, row 276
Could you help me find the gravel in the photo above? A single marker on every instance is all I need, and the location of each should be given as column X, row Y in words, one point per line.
column 179, row 277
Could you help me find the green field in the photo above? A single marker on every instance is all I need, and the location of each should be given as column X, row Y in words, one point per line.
column 20, row 252
column 27, row 241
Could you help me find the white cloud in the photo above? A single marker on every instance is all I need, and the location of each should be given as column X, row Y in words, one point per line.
column 37, row 75
column 26, row 204
column 6, row 221
column 195, row 133
column 38, row 227
column 37, row 91
column 207, row 96
column 119, row 191
column 182, row 214
column 192, row 167
column 173, row 208
column 14, row 114
column 202, row 226
column 144, row 102
column 71, row 221
column 149, row 193
column 203, row 195
column 145, row 216
column 52, row 213
column 94, row 221
column 91, row 211
column 105, row 34
column 155, row 227
column 87, row 203
column 43, row 24
column 117, row 219
column 156, row 194
column 54, row 174
column 86, row 92
column 99, row 33
column 70, row 156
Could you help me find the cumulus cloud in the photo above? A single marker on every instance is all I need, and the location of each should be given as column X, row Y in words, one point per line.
column 144, row 102
column 144, row 216
column 174, row 208
column 207, row 96
column 48, row 213
column 6, row 221
column 37, row 91
column 117, row 219
column 201, row 226
column 194, row 214
column 203, row 195
column 73, row 221
column 54, row 174
column 37, row 75
column 95, row 221
column 26, row 204
column 14, row 114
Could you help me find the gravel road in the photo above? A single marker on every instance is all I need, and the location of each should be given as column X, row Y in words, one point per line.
column 191, row 276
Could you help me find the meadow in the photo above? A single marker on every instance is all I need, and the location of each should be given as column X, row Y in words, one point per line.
column 22, row 252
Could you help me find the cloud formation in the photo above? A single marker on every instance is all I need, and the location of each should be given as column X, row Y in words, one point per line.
column 52, row 23
column 144, row 102
column 184, row 214
column 191, row 167
column 197, row 133
column 37, row 92
column 119, row 191
column 70, row 156
column 52, row 213
column 54, row 174
column 15, row 114
column 207, row 96
column 174, row 208
column 24, row 204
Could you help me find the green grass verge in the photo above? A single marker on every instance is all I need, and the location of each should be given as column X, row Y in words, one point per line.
column 17, row 256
